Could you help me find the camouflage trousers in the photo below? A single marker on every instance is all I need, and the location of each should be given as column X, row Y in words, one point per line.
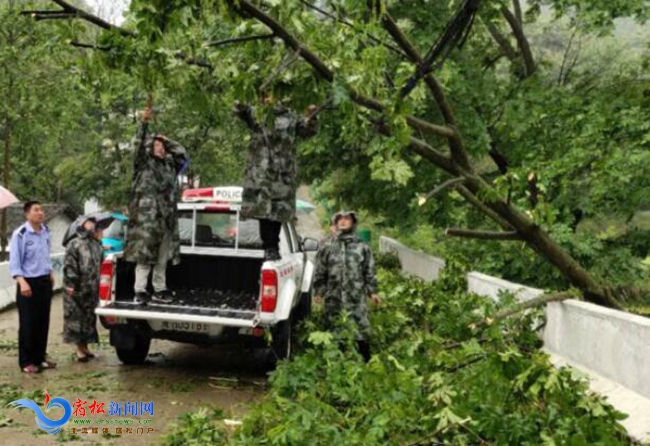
column 357, row 314
column 159, row 277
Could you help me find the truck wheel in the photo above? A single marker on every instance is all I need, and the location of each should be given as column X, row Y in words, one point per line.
column 281, row 344
column 303, row 310
column 138, row 353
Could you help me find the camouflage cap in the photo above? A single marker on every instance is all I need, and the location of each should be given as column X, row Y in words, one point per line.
column 340, row 214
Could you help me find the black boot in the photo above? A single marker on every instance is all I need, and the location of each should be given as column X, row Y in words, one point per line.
column 272, row 254
column 141, row 298
column 163, row 297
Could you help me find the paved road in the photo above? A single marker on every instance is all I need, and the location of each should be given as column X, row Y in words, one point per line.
column 177, row 377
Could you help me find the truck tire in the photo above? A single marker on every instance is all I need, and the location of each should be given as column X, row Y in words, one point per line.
column 303, row 309
column 138, row 353
column 281, row 343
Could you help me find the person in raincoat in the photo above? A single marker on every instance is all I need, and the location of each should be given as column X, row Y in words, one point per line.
column 81, row 271
column 152, row 238
column 270, row 182
column 345, row 278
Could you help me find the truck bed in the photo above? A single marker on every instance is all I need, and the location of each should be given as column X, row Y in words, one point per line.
column 201, row 281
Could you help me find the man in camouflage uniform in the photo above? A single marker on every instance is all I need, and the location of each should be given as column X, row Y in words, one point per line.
column 152, row 238
column 345, row 277
column 270, row 178
column 81, row 269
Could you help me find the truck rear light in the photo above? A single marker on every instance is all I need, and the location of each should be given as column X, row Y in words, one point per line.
column 269, row 291
column 106, row 280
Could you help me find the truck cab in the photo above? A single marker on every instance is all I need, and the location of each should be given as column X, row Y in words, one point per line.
column 225, row 291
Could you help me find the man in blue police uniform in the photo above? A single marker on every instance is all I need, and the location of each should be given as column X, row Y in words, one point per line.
column 30, row 264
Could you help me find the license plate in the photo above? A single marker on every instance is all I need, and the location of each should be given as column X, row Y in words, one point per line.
column 194, row 327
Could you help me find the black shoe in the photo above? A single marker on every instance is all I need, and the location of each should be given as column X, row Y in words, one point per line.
column 141, row 298
column 272, row 254
column 163, row 297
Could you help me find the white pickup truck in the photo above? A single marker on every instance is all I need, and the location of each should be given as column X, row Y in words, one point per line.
column 225, row 291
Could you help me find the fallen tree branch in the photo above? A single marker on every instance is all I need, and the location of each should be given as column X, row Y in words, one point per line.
column 482, row 235
column 532, row 303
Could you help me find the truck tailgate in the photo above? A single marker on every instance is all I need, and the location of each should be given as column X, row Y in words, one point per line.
column 218, row 316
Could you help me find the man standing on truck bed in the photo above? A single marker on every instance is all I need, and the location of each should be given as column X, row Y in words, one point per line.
column 345, row 277
column 152, row 238
column 270, row 179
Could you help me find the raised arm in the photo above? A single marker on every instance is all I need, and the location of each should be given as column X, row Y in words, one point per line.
column 139, row 146
column 178, row 153
column 307, row 126
column 245, row 113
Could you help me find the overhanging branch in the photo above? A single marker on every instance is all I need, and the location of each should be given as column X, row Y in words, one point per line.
column 248, row 9
column 91, row 18
column 455, row 141
column 471, row 198
column 455, row 33
column 241, row 40
column 522, row 41
column 352, row 25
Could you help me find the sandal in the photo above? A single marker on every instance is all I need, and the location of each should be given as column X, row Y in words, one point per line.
column 47, row 364
column 84, row 358
column 91, row 355
column 31, row 369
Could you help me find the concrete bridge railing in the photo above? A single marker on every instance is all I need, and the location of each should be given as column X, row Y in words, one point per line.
column 612, row 347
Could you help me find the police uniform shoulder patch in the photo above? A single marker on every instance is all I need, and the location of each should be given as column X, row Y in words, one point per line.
column 22, row 230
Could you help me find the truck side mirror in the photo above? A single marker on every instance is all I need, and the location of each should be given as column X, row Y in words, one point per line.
column 310, row 245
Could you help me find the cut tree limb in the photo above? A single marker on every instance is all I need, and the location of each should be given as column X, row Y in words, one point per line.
column 443, row 186
column 482, row 235
column 532, row 303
